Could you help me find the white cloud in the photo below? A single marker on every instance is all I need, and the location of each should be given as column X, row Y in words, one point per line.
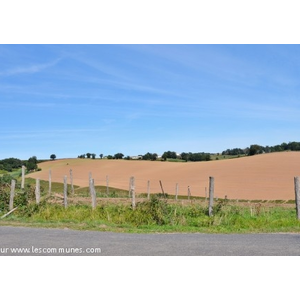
column 29, row 69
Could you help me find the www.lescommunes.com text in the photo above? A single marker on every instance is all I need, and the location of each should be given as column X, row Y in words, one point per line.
column 49, row 250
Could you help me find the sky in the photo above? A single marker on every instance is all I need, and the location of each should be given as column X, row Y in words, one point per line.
column 72, row 99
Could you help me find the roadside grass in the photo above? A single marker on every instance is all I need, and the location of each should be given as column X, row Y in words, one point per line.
column 156, row 215
column 115, row 213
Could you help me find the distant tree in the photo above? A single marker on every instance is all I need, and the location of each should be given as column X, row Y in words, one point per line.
column 294, row 146
column 53, row 156
column 147, row 156
column 119, row 156
column 93, row 155
column 234, row 151
column 254, row 149
column 31, row 164
column 110, row 157
column 154, row 156
column 101, row 156
column 150, row 156
column 88, row 155
column 267, row 149
column 185, row 156
column 164, row 156
column 258, row 149
column 8, row 164
column 169, row 154
column 200, row 156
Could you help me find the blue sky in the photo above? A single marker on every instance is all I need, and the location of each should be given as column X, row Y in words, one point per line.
column 73, row 99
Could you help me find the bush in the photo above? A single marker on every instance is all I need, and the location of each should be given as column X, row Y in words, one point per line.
column 157, row 209
column 22, row 197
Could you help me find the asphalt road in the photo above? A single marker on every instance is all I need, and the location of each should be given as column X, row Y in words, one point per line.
column 39, row 241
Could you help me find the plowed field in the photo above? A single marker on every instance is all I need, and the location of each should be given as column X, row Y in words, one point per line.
column 260, row 177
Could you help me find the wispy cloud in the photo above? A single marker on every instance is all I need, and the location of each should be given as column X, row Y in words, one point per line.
column 45, row 134
column 28, row 104
column 34, row 68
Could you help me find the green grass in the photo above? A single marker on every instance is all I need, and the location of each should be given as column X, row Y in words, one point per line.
column 212, row 157
column 101, row 191
column 16, row 173
column 221, row 157
column 157, row 215
column 56, row 187
column 175, row 160
column 154, row 215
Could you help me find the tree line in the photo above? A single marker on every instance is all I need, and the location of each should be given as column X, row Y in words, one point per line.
column 187, row 156
column 258, row 149
column 10, row 164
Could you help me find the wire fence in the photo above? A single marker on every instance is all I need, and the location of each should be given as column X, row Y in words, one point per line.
column 92, row 192
column 198, row 188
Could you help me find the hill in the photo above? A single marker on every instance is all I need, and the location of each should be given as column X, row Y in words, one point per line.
column 260, row 177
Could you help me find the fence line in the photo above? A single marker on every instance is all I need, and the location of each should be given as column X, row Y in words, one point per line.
column 50, row 178
column 23, row 178
column 93, row 193
column 198, row 189
column 132, row 188
column 37, row 191
column 65, row 192
column 12, row 194
column 297, row 196
column 211, row 195
column 132, row 192
column 148, row 189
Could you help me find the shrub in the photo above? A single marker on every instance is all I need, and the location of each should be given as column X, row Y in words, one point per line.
column 21, row 198
column 157, row 209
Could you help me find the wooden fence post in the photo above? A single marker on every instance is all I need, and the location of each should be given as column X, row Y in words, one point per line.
column 90, row 178
column 176, row 192
column 9, row 213
column 297, row 196
column 50, row 182
column 211, row 195
column 189, row 192
column 23, row 178
column 37, row 191
column 162, row 189
column 12, row 194
column 65, row 192
column 132, row 188
column 93, row 193
column 148, row 189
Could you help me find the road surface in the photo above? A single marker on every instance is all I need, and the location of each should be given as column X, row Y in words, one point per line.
column 40, row 241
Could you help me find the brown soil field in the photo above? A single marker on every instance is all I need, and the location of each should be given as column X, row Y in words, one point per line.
column 259, row 177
